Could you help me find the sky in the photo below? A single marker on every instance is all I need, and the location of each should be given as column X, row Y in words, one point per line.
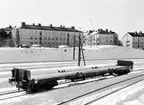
column 120, row 16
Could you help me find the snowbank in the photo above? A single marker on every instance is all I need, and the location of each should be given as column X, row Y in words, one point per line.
column 11, row 55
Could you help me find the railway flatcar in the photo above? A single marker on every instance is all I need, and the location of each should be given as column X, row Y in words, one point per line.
column 26, row 80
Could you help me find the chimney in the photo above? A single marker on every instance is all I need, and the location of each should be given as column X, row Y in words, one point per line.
column 73, row 27
column 63, row 26
column 60, row 26
column 140, row 32
column 39, row 24
column 51, row 25
column 33, row 24
column 136, row 32
column 23, row 23
column 10, row 26
column 106, row 30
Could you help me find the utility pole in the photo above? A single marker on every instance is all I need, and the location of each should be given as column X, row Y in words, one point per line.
column 79, row 52
column 74, row 46
column 40, row 38
column 68, row 39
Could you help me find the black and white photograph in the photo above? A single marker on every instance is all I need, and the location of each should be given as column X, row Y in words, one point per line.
column 72, row 52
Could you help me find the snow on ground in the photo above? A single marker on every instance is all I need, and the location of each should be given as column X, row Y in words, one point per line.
column 99, row 47
column 11, row 55
column 7, row 89
column 133, row 95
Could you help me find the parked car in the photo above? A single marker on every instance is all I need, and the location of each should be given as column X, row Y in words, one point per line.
column 23, row 46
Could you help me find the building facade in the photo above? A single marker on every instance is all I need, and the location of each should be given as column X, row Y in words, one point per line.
column 48, row 36
column 101, row 37
column 133, row 40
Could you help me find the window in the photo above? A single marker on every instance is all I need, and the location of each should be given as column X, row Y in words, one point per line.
column 49, row 38
column 35, row 38
column 31, row 37
column 52, row 38
column 45, row 38
column 56, row 38
column 31, row 42
column 64, row 39
column 60, row 38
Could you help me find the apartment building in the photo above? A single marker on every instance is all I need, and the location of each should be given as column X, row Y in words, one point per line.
column 133, row 40
column 48, row 36
column 101, row 37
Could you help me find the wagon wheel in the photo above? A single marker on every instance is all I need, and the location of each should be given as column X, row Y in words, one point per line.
column 72, row 79
column 77, row 74
column 111, row 72
column 18, row 86
column 29, row 88
column 83, row 76
column 12, row 82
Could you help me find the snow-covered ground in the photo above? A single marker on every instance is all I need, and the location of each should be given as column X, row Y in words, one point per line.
column 66, row 54
column 133, row 95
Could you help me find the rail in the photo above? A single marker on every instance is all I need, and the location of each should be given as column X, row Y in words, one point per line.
column 93, row 100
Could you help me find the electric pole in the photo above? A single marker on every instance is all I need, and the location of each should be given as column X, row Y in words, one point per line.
column 79, row 52
column 40, row 38
column 74, row 47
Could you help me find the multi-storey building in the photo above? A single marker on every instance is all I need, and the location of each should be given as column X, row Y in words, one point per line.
column 49, row 36
column 133, row 40
column 6, row 38
column 101, row 37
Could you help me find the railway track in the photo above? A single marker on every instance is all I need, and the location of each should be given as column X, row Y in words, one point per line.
column 85, row 99
column 12, row 94
column 9, row 94
column 16, row 93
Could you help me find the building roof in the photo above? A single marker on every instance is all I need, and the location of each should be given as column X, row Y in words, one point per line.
column 101, row 31
column 8, row 28
column 136, row 34
column 52, row 28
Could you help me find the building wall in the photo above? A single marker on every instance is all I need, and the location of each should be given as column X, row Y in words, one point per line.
column 141, row 42
column 127, row 41
column 106, row 39
column 133, row 42
column 115, row 40
column 48, row 38
column 99, row 39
